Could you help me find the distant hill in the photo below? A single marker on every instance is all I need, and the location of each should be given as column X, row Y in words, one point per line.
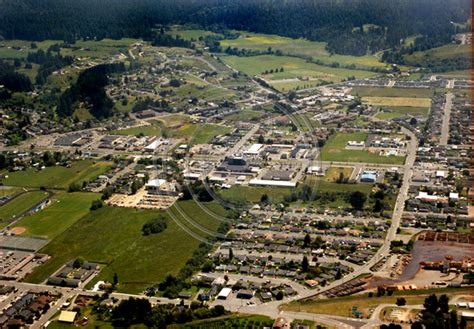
column 351, row 27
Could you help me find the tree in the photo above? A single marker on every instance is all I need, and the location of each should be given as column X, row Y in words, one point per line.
column 78, row 262
column 279, row 295
column 307, row 241
column 130, row 311
column 115, row 280
column 357, row 200
column 154, row 225
column 96, row 204
column 292, row 95
column 231, row 254
column 305, row 264
column 401, row 301
column 265, row 199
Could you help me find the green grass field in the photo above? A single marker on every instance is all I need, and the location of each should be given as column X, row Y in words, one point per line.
column 439, row 53
column 58, row 177
column 249, row 194
column 65, row 209
column 292, row 68
column 112, row 236
column 400, row 111
column 298, row 47
column 189, row 34
column 99, row 49
column 392, row 92
column 10, row 49
column 20, row 204
column 334, row 150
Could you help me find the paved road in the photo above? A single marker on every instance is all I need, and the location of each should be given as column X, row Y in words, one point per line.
column 446, row 118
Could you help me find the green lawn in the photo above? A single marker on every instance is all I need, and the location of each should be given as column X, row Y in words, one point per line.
column 298, row 47
column 400, row 111
column 65, row 209
column 20, row 204
column 292, row 68
column 334, row 150
column 112, row 236
column 58, row 177
column 392, row 92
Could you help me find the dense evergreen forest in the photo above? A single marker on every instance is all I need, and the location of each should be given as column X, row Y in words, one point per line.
column 340, row 23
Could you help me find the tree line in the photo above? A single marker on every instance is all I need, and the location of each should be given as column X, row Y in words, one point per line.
column 339, row 23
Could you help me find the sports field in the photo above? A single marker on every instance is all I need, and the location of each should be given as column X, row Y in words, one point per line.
column 58, row 177
column 65, row 209
column 19, row 204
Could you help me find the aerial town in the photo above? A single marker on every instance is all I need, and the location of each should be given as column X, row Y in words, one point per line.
column 221, row 178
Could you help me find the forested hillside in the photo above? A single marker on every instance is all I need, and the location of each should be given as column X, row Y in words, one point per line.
column 349, row 26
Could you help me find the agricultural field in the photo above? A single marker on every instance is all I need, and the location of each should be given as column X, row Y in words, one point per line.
column 19, row 204
column 392, row 92
column 65, row 209
column 400, row 111
column 58, row 177
column 397, row 101
column 299, row 47
column 119, row 242
column 296, row 71
column 335, row 150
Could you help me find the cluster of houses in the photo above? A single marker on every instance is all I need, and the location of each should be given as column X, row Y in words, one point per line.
column 26, row 309
column 223, row 287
